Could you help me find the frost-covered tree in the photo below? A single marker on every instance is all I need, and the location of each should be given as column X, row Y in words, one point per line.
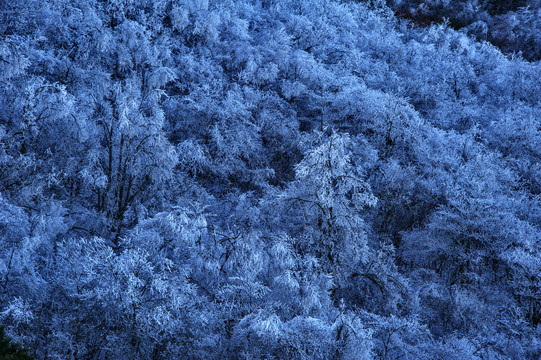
column 330, row 195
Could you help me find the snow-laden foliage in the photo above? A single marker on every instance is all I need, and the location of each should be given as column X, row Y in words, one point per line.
column 293, row 179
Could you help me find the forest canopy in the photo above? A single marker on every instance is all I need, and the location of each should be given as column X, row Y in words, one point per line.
column 270, row 179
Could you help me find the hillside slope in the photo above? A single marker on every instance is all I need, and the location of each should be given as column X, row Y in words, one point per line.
column 296, row 179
